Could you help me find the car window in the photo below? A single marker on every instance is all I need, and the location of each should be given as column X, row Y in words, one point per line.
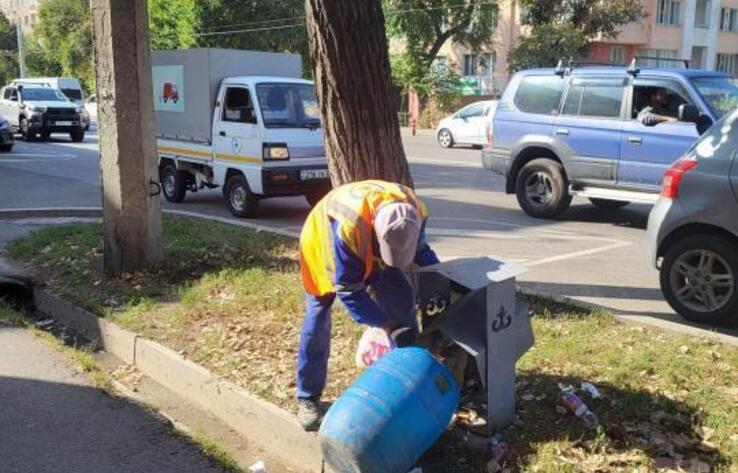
column 594, row 97
column 237, row 106
column 472, row 111
column 645, row 88
column 9, row 93
column 539, row 94
column 720, row 141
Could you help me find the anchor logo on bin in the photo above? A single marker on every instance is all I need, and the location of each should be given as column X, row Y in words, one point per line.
column 503, row 320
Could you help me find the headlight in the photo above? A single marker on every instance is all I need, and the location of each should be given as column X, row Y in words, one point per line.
column 276, row 152
column 36, row 109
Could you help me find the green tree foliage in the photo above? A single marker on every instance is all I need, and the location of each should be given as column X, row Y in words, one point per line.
column 61, row 44
column 172, row 24
column 260, row 25
column 8, row 51
column 423, row 27
column 565, row 28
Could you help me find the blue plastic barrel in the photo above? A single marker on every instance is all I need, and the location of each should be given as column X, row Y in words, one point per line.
column 391, row 415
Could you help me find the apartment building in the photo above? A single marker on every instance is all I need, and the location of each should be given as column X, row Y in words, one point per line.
column 705, row 32
column 23, row 12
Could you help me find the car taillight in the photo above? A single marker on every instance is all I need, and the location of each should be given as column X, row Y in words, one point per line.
column 673, row 177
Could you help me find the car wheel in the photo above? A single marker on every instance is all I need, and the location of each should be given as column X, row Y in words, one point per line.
column 25, row 131
column 699, row 279
column 445, row 138
column 542, row 189
column 173, row 183
column 314, row 197
column 609, row 204
column 6, row 148
column 239, row 199
column 77, row 136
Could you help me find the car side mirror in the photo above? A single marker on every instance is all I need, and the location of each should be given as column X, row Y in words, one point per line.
column 689, row 113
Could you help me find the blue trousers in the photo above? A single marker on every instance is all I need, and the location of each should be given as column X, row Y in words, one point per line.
column 394, row 294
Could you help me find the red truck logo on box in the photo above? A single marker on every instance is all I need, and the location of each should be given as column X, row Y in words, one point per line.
column 170, row 92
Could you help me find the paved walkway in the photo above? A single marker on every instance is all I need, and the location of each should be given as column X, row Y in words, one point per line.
column 53, row 421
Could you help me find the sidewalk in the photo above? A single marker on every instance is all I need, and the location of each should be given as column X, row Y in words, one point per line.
column 53, row 419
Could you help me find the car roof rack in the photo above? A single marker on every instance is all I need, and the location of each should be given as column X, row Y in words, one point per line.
column 565, row 65
column 634, row 70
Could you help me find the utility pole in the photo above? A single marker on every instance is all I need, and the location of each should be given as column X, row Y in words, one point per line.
column 21, row 57
column 131, row 205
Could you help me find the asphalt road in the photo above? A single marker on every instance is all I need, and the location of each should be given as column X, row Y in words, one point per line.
column 594, row 255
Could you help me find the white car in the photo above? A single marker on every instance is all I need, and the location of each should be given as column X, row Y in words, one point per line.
column 91, row 108
column 468, row 126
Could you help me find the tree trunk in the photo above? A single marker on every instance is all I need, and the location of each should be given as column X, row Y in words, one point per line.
column 354, row 86
column 128, row 162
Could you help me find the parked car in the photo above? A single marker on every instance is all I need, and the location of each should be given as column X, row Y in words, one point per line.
column 6, row 136
column 91, row 108
column 580, row 131
column 467, row 126
column 693, row 229
column 34, row 111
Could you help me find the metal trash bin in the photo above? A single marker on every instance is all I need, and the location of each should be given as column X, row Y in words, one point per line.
column 473, row 302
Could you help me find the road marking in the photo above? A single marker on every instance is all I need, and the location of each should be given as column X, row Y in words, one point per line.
column 578, row 254
column 458, row 164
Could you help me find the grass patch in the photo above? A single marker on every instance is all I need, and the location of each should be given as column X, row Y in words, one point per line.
column 215, row 452
column 231, row 299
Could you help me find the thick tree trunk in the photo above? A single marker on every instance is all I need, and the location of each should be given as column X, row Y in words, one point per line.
column 354, row 85
column 131, row 208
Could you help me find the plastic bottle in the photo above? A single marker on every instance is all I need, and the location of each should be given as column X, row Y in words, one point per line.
column 575, row 404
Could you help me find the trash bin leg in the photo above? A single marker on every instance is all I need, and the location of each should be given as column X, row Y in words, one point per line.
column 502, row 325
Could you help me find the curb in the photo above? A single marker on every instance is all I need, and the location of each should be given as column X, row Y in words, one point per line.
column 259, row 421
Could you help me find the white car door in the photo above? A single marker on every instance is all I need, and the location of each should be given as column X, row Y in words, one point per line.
column 471, row 119
column 5, row 105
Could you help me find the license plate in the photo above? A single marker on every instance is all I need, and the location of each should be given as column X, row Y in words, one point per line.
column 312, row 174
column 63, row 123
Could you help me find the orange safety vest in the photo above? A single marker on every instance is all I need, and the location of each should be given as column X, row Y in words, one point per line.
column 353, row 206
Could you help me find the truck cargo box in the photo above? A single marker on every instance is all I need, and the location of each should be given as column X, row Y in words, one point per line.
column 186, row 84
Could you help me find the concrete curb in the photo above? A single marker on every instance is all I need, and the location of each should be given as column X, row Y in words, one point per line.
column 262, row 422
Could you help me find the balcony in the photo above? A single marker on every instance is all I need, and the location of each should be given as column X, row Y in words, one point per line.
column 480, row 85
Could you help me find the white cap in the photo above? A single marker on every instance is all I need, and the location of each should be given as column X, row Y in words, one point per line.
column 397, row 226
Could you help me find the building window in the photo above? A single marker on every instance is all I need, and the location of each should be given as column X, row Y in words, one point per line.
column 657, row 58
column 702, row 14
column 617, row 55
column 668, row 12
column 470, row 64
column 487, row 63
column 729, row 19
column 727, row 63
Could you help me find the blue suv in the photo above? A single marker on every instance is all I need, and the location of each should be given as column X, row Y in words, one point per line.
column 605, row 133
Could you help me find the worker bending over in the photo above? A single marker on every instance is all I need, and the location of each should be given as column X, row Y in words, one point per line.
column 364, row 234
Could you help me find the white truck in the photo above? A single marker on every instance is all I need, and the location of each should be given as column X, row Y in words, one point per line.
column 241, row 120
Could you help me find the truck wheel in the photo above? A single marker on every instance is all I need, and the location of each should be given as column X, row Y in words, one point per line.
column 699, row 279
column 314, row 197
column 445, row 138
column 609, row 204
column 77, row 136
column 6, row 148
column 25, row 131
column 239, row 199
column 173, row 183
column 542, row 189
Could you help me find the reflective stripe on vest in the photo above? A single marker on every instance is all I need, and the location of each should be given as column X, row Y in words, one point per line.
column 353, row 206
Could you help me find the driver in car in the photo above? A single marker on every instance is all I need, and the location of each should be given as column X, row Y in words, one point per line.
column 657, row 111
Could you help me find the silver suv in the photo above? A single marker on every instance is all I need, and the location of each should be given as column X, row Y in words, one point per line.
column 693, row 229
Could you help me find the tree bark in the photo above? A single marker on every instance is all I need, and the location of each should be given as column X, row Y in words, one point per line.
column 128, row 161
column 354, row 87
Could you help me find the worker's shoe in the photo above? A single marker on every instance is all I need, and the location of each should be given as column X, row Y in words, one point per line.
column 309, row 414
